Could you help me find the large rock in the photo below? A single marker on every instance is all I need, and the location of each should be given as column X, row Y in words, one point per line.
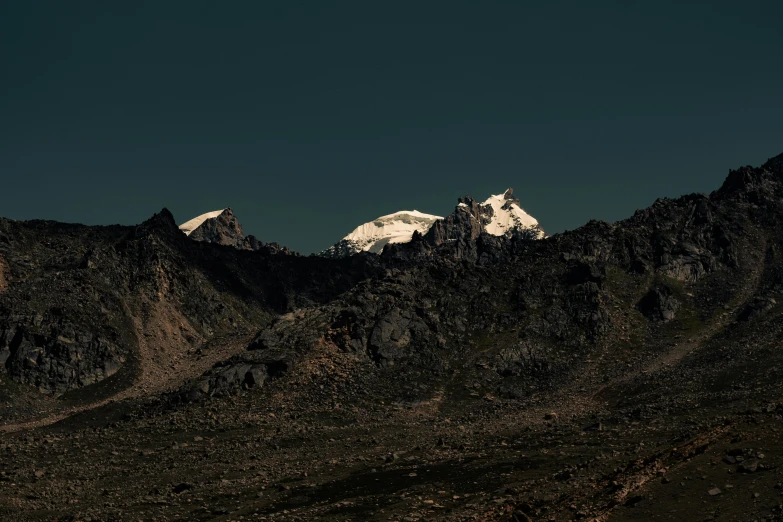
column 463, row 225
column 757, row 307
column 244, row 372
column 659, row 304
column 223, row 230
column 59, row 360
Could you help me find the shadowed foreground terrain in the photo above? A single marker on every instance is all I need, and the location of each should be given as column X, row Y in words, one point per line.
column 626, row 371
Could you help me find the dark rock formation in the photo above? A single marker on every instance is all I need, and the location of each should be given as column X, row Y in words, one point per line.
column 60, row 357
column 244, row 372
column 757, row 307
column 226, row 230
column 463, row 225
column 223, row 230
column 659, row 304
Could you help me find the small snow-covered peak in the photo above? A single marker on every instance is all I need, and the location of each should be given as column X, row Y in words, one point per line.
column 189, row 226
column 507, row 215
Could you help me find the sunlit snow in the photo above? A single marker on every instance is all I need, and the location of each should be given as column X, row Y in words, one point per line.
column 392, row 228
column 193, row 224
column 507, row 216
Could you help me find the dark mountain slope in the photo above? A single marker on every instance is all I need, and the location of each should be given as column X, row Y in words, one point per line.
column 606, row 373
column 79, row 300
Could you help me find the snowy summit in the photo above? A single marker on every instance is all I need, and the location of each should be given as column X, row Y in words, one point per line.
column 507, row 215
column 374, row 235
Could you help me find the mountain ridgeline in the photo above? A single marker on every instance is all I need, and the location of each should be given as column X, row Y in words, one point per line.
column 498, row 215
column 476, row 326
column 76, row 299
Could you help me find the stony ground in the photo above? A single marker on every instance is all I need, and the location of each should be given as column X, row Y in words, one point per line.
column 294, row 451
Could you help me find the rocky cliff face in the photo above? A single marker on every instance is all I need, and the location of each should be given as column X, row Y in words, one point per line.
column 223, row 230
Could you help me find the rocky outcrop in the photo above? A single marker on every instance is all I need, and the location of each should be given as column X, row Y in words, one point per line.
column 394, row 335
column 757, row 307
column 222, row 230
column 225, row 229
column 754, row 185
column 659, row 304
column 272, row 353
column 253, row 243
column 245, row 372
column 463, row 225
column 63, row 358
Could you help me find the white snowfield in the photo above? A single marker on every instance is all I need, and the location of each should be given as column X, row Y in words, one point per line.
column 193, row 224
column 393, row 228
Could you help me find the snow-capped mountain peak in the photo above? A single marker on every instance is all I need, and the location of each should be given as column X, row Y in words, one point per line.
column 374, row 235
column 507, row 214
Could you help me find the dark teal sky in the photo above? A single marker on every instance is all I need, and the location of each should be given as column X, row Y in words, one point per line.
column 309, row 118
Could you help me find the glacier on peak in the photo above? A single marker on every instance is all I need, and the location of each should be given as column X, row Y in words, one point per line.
column 372, row 236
